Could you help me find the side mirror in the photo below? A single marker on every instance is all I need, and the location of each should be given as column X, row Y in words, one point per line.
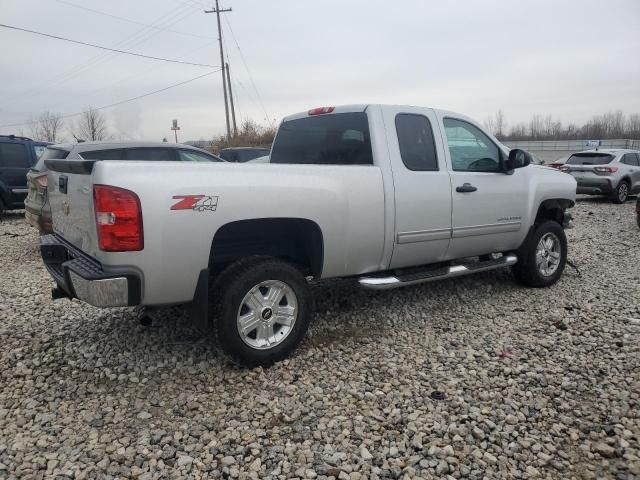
column 518, row 159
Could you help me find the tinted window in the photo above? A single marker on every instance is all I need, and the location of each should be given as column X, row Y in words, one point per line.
column 630, row 159
column 250, row 154
column 13, row 155
column 50, row 154
column 638, row 159
column 415, row 138
column 589, row 159
column 151, row 154
column 470, row 148
column 113, row 154
column 195, row 156
column 338, row 139
column 229, row 155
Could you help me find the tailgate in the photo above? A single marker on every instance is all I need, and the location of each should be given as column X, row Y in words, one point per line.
column 70, row 188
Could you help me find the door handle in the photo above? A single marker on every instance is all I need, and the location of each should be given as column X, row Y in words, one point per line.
column 466, row 188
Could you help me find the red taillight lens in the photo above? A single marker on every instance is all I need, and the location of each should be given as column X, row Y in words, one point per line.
column 321, row 110
column 42, row 180
column 605, row 170
column 563, row 168
column 118, row 219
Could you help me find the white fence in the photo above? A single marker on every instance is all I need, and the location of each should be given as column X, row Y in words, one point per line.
column 551, row 150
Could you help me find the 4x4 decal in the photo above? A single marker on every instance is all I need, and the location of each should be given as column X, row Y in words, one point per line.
column 198, row 203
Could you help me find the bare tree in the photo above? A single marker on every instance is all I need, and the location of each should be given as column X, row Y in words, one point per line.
column 633, row 125
column 47, row 127
column 535, row 126
column 92, row 125
column 489, row 124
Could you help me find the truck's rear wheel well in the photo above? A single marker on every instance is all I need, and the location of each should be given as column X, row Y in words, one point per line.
column 294, row 239
column 553, row 209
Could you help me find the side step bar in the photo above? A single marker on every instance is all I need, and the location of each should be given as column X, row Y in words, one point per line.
column 395, row 281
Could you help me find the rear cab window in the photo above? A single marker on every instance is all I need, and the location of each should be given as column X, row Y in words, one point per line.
column 150, row 154
column 334, row 139
column 415, row 139
column 590, row 159
column 112, row 154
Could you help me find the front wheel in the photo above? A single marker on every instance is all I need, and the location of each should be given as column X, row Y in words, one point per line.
column 621, row 192
column 542, row 257
column 261, row 311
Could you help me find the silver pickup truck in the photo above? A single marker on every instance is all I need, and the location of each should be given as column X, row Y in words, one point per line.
column 387, row 195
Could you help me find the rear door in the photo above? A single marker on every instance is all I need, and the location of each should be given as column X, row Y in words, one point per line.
column 422, row 187
column 15, row 161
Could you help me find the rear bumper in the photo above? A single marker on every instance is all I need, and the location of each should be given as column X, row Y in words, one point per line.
column 595, row 186
column 81, row 276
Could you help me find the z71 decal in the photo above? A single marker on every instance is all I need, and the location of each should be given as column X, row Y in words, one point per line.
column 198, row 203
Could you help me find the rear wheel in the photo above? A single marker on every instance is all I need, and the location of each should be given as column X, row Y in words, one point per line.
column 621, row 192
column 542, row 257
column 261, row 311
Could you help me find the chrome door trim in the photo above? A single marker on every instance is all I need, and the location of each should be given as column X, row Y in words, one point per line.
column 492, row 228
column 423, row 236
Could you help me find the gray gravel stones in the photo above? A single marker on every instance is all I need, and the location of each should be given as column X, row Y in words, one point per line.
column 88, row 393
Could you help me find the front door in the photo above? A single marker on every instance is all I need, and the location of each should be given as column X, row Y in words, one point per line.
column 422, row 187
column 488, row 205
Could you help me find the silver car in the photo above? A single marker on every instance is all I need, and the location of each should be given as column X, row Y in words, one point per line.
column 605, row 172
column 37, row 209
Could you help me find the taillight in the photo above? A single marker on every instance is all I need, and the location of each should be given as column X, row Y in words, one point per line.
column 605, row 170
column 42, row 180
column 563, row 168
column 118, row 219
column 321, row 110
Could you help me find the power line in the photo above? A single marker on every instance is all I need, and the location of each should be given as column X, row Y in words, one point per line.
column 132, row 21
column 125, row 101
column 107, row 48
column 246, row 66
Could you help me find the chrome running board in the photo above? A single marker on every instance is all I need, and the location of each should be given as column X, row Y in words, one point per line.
column 396, row 281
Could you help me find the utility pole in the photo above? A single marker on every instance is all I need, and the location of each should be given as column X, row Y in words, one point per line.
column 233, row 110
column 224, row 80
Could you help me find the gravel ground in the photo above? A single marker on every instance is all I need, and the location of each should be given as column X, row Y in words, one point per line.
column 537, row 383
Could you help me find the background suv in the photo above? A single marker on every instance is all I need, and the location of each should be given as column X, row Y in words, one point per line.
column 605, row 172
column 17, row 155
column 38, row 212
column 243, row 154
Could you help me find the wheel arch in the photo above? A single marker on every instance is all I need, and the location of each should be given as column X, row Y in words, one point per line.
column 553, row 209
column 298, row 240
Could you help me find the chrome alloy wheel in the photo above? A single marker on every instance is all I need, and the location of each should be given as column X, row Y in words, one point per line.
column 267, row 314
column 548, row 254
column 623, row 192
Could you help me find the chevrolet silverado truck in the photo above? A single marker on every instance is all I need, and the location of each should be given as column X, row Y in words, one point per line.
column 389, row 196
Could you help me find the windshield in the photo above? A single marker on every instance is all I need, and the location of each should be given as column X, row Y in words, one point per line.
column 338, row 139
column 49, row 154
column 590, row 159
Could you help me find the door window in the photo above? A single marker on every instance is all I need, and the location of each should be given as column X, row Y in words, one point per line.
column 151, row 154
column 112, row 154
column 470, row 148
column 194, row 156
column 415, row 138
column 630, row 159
column 13, row 155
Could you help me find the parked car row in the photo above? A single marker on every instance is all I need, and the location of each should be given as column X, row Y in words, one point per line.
column 37, row 210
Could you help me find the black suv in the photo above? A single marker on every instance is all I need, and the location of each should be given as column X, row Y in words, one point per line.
column 17, row 156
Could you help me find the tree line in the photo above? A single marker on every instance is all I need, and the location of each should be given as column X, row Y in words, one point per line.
column 51, row 127
column 610, row 125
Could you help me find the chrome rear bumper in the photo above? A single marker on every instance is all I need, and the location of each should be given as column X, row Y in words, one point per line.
column 83, row 277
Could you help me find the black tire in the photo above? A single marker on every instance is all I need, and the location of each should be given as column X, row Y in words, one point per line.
column 526, row 270
column 225, row 301
column 621, row 192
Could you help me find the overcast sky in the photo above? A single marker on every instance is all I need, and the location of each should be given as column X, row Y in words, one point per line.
column 568, row 58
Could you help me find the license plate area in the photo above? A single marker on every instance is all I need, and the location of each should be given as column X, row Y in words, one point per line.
column 54, row 254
